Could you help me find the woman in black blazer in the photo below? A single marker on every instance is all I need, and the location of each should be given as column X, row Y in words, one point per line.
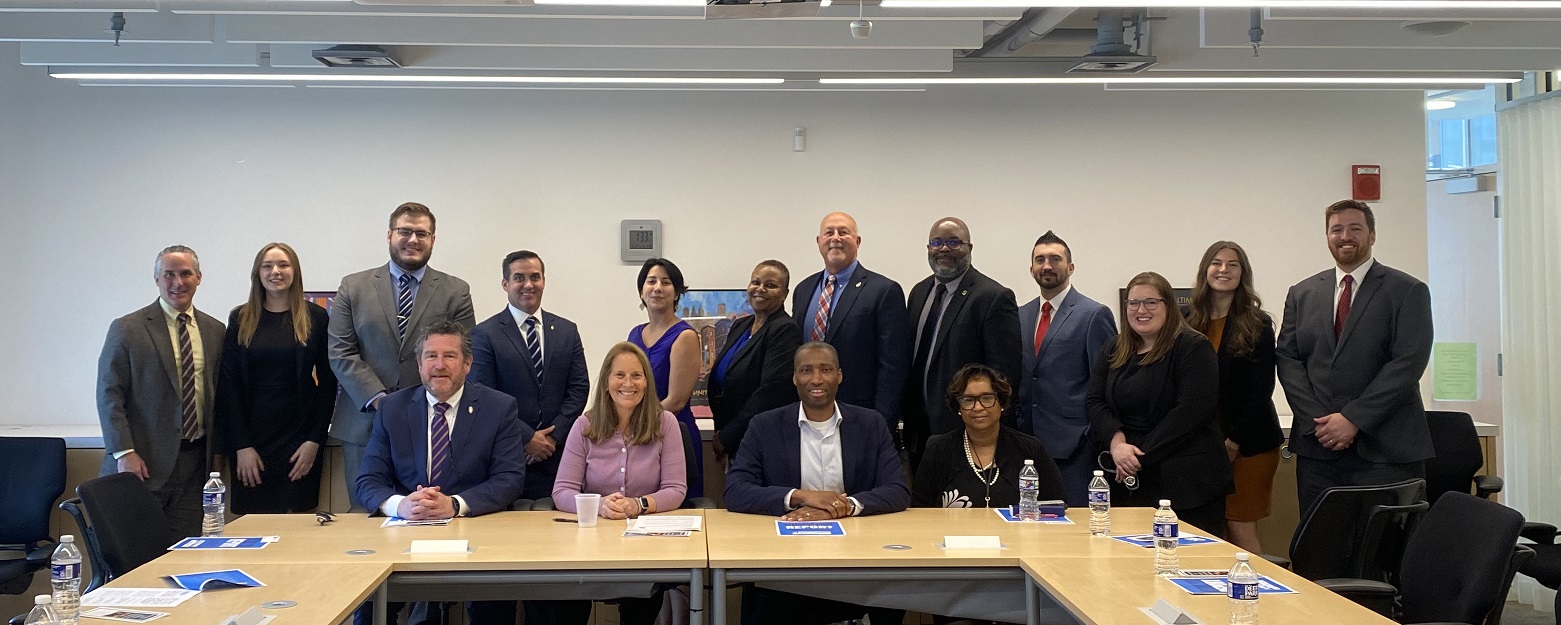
column 275, row 390
column 1226, row 308
column 1151, row 399
column 753, row 372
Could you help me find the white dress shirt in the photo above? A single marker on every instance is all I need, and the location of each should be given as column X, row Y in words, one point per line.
column 820, row 451
column 1360, row 278
column 520, row 322
column 1056, row 303
column 394, row 502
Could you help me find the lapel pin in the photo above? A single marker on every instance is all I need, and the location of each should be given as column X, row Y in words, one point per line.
column 859, row 285
column 964, row 293
column 469, row 409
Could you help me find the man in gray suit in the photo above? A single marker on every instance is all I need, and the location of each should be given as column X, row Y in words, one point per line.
column 157, row 385
column 376, row 317
column 1353, row 345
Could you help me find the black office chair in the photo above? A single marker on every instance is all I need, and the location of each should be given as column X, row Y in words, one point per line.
column 1545, row 568
column 522, row 504
column 32, row 476
column 1357, row 531
column 1458, row 457
column 1457, row 566
column 122, row 523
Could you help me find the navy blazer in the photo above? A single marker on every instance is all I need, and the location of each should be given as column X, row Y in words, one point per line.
column 501, row 362
column 759, row 378
column 1052, row 389
column 980, row 325
column 486, row 445
column 769, row 463
column 867, row 327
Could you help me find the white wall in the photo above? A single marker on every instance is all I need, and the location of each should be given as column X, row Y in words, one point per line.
column 97, row 179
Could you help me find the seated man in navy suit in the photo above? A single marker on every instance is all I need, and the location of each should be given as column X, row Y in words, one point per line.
column 814, row 460
column 445, row 448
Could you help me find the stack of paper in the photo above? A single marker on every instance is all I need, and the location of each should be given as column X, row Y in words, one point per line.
column 663, row 525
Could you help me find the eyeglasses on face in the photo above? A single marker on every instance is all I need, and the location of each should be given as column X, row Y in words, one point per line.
column 968, row 402
column 952, row 244
column 408, row 233
column 1152, row 303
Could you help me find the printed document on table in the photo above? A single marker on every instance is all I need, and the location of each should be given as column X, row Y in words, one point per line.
column 646, row 524
column 137, row 597
column 396, row 521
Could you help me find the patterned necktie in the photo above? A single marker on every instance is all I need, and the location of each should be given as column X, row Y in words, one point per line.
column 821, row 320
column 190, row 423
column 534, row 346
column 1344, row 306
column 404, row 304
column 1045, row 323
column 439, row 446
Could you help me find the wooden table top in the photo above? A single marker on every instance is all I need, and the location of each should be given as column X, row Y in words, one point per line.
column 325, row 593
column 499, row 541
column 750, row 541
column 1110, row 591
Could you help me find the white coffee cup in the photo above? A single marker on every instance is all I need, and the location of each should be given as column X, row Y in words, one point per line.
column 587, row 506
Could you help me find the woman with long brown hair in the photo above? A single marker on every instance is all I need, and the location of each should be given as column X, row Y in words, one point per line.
column 276, row 390
column 1226, row 308
column 1151, row 399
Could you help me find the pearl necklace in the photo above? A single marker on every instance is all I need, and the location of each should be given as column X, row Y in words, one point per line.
column 996, row 470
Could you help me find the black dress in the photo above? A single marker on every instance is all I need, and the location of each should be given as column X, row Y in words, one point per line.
column 945, row 479
column 271, row 401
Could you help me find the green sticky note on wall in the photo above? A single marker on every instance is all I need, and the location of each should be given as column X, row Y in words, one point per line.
column 1455, row 372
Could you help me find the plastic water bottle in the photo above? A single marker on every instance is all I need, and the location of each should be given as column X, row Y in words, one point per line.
column 1243, row 591
column 65, row 576
column 212, row 498
column 1165, row 536
column 1029, row 493
column 43, row 612
column 1099, row 505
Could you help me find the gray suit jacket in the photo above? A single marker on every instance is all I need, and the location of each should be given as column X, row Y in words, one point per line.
column 1371, row 375
column 366, row 353
column 138, row 389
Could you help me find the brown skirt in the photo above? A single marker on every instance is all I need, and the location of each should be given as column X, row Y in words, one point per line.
column 1254, row 496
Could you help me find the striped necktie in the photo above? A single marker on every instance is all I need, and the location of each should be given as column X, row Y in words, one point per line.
column 404, row 304
column 821, row 320
column 534, row 347
column 190, row 422
column 439, row 447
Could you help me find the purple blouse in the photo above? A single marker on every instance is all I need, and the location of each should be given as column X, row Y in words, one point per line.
column 656, row 470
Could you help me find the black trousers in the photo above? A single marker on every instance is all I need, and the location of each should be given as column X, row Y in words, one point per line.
column 180, row 496
column 1315, row 475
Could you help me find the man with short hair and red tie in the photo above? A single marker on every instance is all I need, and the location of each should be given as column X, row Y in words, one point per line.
column 1353, row 344
column 1063, row 333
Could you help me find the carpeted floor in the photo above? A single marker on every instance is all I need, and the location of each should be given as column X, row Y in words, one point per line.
column 1518, row 614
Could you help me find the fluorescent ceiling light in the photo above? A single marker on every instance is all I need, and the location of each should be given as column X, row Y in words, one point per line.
column 1285, row 4
column 1172, row 80
column 396, row 78
column 625, row 3
column 1440, row 105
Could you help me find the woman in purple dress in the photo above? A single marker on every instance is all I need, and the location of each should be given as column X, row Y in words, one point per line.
column 673, row 348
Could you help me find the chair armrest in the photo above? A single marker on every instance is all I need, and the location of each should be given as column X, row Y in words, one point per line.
column 521, row 504
column 1487, row 485
column 19, row 619
column 699, row 503
column 545, row 503
column 1379, row 597
column 1542, row 533
column 42, row 555
column 1281, row 561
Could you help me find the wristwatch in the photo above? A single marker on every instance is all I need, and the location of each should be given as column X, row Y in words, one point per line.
column 644, row 505
column 455, row 504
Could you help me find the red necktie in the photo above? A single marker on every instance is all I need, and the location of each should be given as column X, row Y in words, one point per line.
column 1040, row 328
column 1344, row 306
column 821, row 319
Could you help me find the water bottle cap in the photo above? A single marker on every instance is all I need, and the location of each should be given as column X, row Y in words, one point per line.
column 67, row 539
column 1165, row 503
column 1100, row 474
column 216, row 474
column 1029, row 462
column 43, row 600
column 1242, row 556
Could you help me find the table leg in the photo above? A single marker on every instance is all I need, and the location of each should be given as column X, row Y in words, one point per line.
column 1032, row 601
column 718, row 597
column 696, row 596
column 381, row 602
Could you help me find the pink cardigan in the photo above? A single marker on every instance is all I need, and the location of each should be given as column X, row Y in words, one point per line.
column 656, row 470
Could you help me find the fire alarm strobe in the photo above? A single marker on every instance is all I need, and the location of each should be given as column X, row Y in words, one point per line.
column 1366, row 182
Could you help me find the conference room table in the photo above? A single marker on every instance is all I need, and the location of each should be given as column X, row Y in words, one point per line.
column 322, row 593
column 511, row 555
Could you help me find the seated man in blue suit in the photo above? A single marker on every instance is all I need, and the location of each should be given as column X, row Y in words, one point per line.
column 445, row 448
column 813, row 460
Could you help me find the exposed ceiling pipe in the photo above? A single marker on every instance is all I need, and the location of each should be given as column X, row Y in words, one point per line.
column 1108, row 34
column 1028, row 29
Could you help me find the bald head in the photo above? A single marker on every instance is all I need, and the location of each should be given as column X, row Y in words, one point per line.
column 838, row 241
column 948, row 248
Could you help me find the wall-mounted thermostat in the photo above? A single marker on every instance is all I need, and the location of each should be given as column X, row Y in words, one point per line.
column 641, row 239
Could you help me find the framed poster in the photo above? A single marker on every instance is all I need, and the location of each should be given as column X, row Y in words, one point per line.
column 711, row 313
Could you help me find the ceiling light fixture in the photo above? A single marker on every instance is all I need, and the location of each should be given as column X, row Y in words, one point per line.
column 396, row 78
column 1174, row 80
column 1244, row 4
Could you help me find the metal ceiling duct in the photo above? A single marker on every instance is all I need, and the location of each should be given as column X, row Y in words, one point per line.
column 1028, row 29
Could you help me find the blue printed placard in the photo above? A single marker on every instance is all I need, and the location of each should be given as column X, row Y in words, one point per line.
column 809, row 528
column 1147, row 540
column 1218, row 586
column 219, row 579
column 1009, row 516
column 223, row 542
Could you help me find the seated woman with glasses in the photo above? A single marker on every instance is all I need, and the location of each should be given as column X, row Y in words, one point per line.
column 978, row 465
column 1152, row 399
